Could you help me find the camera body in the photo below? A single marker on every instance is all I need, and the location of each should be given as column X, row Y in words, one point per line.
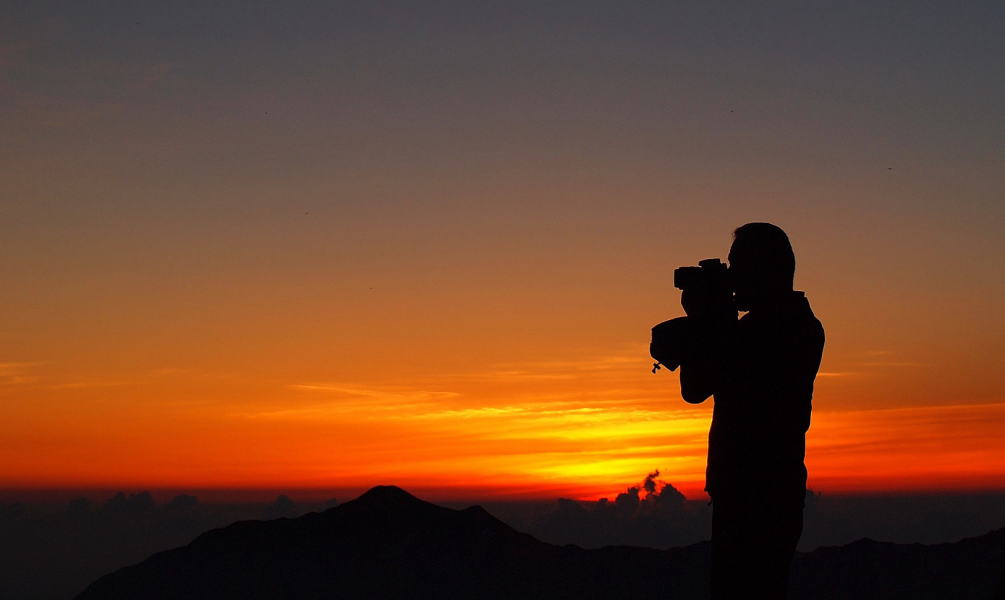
column 710, row 274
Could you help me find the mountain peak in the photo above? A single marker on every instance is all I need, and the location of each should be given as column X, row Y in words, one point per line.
column 387, row 496
column 389, row 492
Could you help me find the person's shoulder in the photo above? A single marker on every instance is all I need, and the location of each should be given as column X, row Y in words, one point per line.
column 817, row 330
column 812, row 325
column 809, row 314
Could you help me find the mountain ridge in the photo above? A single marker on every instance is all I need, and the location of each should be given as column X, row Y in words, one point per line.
column 387, row 543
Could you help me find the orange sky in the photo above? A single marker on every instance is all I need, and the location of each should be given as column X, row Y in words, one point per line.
column 576, row 427
column 333, row 249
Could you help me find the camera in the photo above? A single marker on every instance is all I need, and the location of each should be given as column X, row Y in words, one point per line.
column 710, row 274
column 707, row 291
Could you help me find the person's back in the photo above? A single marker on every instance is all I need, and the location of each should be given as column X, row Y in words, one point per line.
column 762, row 406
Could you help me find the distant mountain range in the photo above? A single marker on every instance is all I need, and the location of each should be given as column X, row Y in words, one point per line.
column 389, row 544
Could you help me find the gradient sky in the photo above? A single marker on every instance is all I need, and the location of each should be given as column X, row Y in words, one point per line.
column 340, row 244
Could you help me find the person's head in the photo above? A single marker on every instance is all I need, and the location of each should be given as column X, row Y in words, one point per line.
column 761, row 261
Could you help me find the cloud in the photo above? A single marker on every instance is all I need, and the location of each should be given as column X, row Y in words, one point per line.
column 515, row 375
column 660, row 497
column 604, row 362
column 625, row 363
column 13, row 373
column 653, row 513
column 182, row 502
column 893, row 363
column 669, row 497
column 649, row 484
column 78, row 385
column 343, row 400
column 281, row 507
column 167, row 371
column 532, row 407
column 133, row 504
column 627, row 502
column 470, row 413
column 341, row 389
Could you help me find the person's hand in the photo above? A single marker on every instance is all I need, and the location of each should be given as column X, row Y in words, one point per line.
column 696, row 300
column 705, row 304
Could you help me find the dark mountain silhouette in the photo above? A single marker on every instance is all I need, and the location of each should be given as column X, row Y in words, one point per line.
column 970, row 568
column 389, row 544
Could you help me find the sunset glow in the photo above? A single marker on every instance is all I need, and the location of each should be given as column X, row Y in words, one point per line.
column 574, row 428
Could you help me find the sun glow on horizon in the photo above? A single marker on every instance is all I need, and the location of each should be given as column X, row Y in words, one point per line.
column 581, row 429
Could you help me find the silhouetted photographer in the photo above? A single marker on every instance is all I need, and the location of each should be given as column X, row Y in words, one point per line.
column 760, row 369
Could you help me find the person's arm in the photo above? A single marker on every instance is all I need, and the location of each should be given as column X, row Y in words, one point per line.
column 697, row 381
column 706, row 367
